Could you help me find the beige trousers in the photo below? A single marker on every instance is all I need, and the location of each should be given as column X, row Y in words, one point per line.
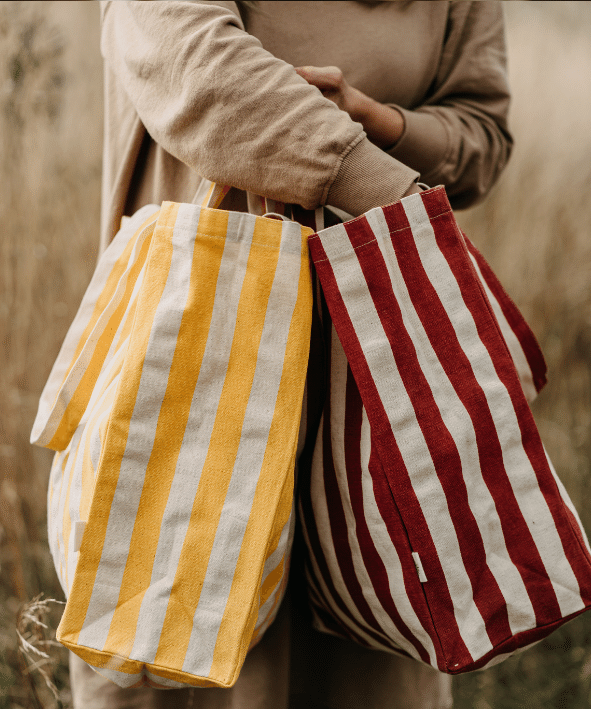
column 293, row 667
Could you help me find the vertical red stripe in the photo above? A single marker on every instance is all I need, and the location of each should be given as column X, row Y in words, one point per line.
column 459, row 371
column 576, row 553
column 307, row 516
column 339, row 527
column 456, row 365
column 442, row 448
column 389, row 512
column 373, row 562
column 324, row 611
column 436, row 589
column 529, row 344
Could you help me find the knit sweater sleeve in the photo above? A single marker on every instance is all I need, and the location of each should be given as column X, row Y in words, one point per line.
column 459, row 136
column 211, row 96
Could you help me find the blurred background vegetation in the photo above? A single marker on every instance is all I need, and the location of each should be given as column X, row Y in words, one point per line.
column 534, row 229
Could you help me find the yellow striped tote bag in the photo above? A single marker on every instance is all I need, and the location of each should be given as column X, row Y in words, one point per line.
column 174, row 408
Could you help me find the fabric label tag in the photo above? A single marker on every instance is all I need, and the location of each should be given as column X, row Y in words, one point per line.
column 419, row 567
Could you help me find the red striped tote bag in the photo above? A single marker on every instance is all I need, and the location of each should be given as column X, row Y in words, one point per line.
column 174, row 408
column 435, row 524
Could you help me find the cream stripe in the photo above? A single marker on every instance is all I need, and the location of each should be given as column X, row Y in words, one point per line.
column 142, row 429
column 118, row 346
column 523, row 480
column 123, row 679
column 59, row 461
column 71, row 509
column 338, row 388
column 314, row 576
column 249, row 458
column 164, row 682
column 65, row 358
column 46, row 428
column 567, row 501
column 271, row 564
column 54, row 479
column 219, row 463
column 99, row 434
column 204, row 406
column 81, row 486
column 95, row 448
column 517, row 353
column 409, row 437
column 322, row 521
column 388, row 552
column 57, row 511
column 63, row 502
column 284, row 543
column 459, row 424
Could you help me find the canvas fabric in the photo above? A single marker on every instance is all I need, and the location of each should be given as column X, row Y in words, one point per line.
column 174, row 408
column 435, row 524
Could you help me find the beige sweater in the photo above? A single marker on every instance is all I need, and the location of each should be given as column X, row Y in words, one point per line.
column 194, row 91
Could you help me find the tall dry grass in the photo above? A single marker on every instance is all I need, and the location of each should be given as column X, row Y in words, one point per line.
column 534, row 228
column 50, row 148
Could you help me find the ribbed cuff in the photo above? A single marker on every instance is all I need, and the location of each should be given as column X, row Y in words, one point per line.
column 368, row 178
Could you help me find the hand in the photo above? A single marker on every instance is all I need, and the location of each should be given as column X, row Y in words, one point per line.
column 384, row 125
column 332, row 84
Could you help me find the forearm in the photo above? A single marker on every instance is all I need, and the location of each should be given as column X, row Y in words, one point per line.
column 458, row 135
column 210, row 95
column 463, row 149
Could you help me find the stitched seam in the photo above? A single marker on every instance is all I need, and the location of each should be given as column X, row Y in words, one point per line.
column 360, row 246
column 222, row 238
column 394, row 231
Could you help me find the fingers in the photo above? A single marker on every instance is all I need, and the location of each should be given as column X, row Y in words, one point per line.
column 326, row 78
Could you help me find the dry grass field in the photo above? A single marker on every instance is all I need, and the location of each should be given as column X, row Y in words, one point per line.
column 534, row 228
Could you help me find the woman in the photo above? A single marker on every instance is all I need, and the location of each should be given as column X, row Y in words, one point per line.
column 337, row 103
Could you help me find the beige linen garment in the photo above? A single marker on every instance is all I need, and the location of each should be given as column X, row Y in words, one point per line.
column 189, row 93
column 193, row 90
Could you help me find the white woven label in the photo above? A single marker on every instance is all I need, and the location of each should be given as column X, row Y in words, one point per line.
column 419, row 567
column 79, row 528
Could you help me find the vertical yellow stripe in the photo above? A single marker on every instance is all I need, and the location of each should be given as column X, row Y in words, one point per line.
column 107, row 292
column 128, row 324
column 263, row 624
column 271, row 581
column 276, row 475
column 223, row 447
column 88, row 472
column 81, row 396
column 90, row 553
column 174, row 412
